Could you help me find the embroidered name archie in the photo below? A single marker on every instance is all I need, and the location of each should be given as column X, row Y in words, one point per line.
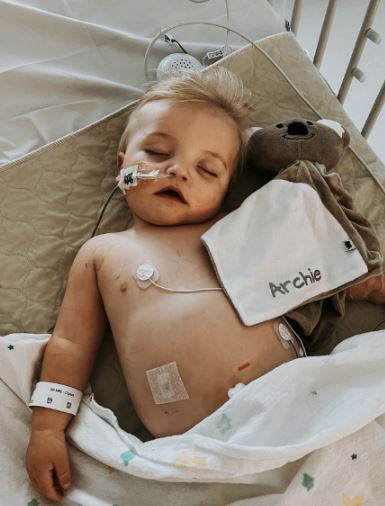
column 298, row 282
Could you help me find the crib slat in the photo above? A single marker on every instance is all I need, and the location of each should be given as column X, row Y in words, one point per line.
column 325, row 32
column 358, row 48
column 374, row 112
column 296, row 14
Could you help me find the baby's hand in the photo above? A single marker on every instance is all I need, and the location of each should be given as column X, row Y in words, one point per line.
column 372, row 290
column 47, row 463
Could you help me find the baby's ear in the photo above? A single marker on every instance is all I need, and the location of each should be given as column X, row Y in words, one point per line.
column 120, row 160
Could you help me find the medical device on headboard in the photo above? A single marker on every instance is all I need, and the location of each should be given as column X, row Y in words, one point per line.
column 176, row 62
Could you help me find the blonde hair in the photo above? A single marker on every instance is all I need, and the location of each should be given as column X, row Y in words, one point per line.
column 216, row 86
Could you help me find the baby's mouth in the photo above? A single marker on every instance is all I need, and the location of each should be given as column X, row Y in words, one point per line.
column 171, row 193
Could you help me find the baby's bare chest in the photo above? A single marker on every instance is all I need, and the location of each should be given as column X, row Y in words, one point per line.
column 180, row 320
column 182, row 292
column 179, row 265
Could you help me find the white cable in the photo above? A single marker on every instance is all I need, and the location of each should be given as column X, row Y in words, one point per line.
column 227, row 31
column 227, row 21
column 184, row 290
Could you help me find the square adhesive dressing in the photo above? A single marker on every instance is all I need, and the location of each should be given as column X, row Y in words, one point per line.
column 166, row 384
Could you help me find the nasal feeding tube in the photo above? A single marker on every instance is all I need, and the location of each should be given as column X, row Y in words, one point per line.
column 136, row 175
column 128, row 178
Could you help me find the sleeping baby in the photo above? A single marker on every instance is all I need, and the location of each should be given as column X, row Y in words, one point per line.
column 180, row 342
column 183, row 348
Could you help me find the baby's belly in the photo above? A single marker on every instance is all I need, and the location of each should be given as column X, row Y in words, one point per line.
column 180, row 354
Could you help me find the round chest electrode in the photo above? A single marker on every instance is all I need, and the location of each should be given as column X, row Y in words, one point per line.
column 144, row 272
column 284, row 332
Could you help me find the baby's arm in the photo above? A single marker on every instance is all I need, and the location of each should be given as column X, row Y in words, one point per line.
column 372, row 290
column 68, row 359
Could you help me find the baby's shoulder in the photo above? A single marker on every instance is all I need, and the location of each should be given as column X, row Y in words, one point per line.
column 107, row 240
column 104, row 246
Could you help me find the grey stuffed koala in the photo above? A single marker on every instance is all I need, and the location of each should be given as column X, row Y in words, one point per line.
column 274, row 147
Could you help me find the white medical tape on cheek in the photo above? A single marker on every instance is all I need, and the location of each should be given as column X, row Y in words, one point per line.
column 56, row 396
column 128, row 178
column 166, row 384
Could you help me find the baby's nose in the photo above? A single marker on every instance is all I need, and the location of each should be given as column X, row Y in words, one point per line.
column 179, row 171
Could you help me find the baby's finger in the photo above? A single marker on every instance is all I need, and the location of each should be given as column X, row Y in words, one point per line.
column 62, row 471
column 46, row 487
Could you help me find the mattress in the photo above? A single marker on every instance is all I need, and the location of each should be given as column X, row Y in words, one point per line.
column 50, row 199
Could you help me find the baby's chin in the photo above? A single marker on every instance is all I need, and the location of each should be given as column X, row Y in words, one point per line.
column 173, row 221
column 169, row 222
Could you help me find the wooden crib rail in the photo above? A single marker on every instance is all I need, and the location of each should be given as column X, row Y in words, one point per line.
column 366, row 33
column 325, row 32
column 374, row 112
column 353, row 71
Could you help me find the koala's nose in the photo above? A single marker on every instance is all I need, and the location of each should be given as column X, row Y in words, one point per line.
column 297, row 128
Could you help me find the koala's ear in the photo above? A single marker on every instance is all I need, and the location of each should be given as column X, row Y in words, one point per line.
column 249, row 131
column 334, row 125
column 338, row 128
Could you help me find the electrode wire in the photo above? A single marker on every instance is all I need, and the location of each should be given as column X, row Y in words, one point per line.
column 102, row 211
column 184, row 290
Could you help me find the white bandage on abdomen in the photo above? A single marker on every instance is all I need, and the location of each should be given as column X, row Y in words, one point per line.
column 166, row 384
column 56, row 396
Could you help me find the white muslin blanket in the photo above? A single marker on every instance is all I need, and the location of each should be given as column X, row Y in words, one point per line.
column 281, row 248
column 307, row 406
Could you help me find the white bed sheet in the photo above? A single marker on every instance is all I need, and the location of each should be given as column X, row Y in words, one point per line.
column 67, row 63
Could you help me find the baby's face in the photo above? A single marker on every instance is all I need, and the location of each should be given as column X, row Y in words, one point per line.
column 197, row 145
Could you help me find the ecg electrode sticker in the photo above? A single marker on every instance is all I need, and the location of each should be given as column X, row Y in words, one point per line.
column 166, row 384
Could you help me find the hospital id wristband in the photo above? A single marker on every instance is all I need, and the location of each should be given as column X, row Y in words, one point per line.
column 56, row 396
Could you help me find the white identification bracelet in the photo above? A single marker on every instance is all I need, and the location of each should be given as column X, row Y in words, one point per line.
column 56, row 396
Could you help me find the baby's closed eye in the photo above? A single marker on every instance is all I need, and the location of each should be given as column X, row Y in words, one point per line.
column 156, row 153
column 208, row 171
